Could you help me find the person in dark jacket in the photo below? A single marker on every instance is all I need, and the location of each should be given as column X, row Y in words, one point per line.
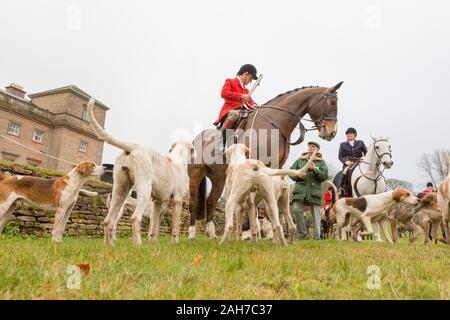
column 308, row 190
column 350, row 152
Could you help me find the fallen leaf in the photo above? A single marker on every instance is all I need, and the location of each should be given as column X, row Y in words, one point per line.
column 197, row 261
column 84, row 268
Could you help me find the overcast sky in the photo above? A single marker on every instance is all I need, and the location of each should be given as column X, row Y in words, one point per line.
column 160, row 65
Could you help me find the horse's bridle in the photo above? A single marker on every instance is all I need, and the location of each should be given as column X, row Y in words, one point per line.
column 380, row 172
column 321, row 122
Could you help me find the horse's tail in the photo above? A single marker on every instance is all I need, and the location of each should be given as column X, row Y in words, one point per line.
column 201, row 200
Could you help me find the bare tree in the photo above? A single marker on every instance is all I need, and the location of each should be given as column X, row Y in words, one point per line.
column 392, row 184
column 435, row 165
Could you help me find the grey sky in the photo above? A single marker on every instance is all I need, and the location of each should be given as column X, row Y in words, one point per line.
column 161, row 61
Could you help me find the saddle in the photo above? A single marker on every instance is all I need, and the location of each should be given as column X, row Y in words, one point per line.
column 240, row 122
column 346, row 184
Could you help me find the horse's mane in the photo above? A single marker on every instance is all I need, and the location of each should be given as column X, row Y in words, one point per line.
column 289, row 92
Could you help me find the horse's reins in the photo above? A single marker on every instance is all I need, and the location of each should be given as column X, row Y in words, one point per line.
column 380, row 172
column 301, row 127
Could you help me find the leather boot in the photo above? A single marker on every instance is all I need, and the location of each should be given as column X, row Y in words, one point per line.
column 221, row 141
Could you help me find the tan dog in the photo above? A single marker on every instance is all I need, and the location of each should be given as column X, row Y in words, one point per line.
column 443, row 200
column 403, row 213
column 369, row 209
column 250, row 181
column 48, row 194
column 428, row 217
column 157, row 179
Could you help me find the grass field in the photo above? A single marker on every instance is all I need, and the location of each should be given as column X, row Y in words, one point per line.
column 37, row 269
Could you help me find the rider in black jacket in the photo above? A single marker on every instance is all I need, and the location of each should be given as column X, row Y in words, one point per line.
column 350, row 152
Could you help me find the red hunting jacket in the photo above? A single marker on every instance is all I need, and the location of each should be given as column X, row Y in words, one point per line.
column 232, row 92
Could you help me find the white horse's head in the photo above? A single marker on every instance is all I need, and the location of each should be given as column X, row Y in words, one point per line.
column 382, row 149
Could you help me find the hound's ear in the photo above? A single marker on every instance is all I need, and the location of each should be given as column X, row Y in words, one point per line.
column 247, row 152
column 336, row 87
column 399, row 194
column 193, row 154
column 85, row 168
column 374, row 139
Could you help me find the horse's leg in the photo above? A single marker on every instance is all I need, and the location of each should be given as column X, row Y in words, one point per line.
column 218, row 182
column 196, row 176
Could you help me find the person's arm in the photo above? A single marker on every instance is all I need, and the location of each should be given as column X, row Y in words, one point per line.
column 364, row 148
column 251, row 102
column 227, row 93
column 342, row 157
column 321, row 172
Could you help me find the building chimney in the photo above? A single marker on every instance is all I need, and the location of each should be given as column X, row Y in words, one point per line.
column 15, row 90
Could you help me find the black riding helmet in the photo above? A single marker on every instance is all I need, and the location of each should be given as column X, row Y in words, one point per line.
column 351, row 130
column 250, row 69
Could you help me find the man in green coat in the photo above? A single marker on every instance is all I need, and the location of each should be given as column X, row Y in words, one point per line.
column 308, row 189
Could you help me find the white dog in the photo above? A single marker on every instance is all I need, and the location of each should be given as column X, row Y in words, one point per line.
column 248, row 182
column 369, row 209
column 157, row 179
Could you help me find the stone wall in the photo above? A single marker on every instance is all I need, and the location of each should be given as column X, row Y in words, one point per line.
column 89, row 213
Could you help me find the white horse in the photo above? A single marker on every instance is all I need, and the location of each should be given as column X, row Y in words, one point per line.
column 367, row 177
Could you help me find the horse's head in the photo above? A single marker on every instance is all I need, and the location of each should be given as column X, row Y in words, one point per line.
column 382, row 149
column 323, row 111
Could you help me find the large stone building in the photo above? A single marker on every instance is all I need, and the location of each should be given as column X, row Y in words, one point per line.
column 53, row 122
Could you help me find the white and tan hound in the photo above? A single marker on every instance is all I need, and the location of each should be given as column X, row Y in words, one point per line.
column 58, row 194
column 157, row 180
column 248, row 182
column 369, row 209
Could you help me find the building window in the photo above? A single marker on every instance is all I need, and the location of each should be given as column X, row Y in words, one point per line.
column 85, row 115
column 14, row 128
column 9, row 156
column 33, row 162
column 83, row 146
column 37, row 136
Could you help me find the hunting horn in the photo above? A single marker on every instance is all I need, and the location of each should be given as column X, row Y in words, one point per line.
column 253, row 89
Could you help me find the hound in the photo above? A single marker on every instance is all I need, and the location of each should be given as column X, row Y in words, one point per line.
column 428, row 217
column 404, row 213
column 58, row 194
column 157, row 179
column 369, row 209
column 130, row 203
column 248, row 182
column 443, row 200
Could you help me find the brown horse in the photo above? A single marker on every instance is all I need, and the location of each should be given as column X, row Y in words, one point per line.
column 272, row 125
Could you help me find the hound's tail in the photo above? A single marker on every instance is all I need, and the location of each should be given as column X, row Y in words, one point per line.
column 103, row 135
column 282, row 172
column 88, row 193
column 329, row 186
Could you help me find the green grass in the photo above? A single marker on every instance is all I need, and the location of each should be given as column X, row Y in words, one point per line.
column 36, row 269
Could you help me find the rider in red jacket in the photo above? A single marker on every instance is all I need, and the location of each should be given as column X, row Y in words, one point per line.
column 236, row 95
